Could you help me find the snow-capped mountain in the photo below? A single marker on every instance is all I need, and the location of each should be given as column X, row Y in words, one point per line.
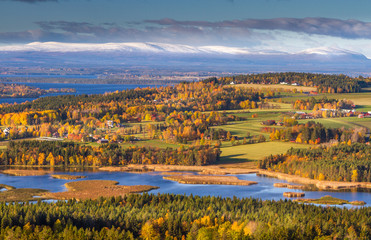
column 176, row 56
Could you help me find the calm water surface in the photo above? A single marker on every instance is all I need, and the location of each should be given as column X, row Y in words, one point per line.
column 263, row 190
column 80, row 89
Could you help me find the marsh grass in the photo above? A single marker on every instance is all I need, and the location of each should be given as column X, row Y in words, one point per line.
column 92, row 189
column 66, row 176
column 21, row 194
column 215, row 180
column 27, row 172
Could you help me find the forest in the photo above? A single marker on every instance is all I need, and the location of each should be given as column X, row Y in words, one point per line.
column 340, row 162
column 315, row 133
column 197, row 96
column 316, row 104
column 54, row 153
column 324, row 83
column 168, row 216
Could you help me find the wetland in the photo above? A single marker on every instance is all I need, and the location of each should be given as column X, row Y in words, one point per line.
column 263, row 189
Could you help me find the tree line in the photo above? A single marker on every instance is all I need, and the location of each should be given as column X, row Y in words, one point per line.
column 55, row 153
column 197, row 96
column 342, row 162
column 315, row 133
column 325, row 83
column 322, row 103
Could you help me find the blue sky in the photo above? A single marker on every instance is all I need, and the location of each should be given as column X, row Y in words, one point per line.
column 269, row 25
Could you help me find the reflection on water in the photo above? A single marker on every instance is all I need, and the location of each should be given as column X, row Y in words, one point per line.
column 263, row 190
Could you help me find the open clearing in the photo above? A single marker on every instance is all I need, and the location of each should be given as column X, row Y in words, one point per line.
column 331, row 122
column 346, row 122
column 152, row 143
column 255, row 151
column 360, row 99
column 277, row 86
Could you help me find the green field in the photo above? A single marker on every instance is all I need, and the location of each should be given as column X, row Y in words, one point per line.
column 347, row 122
column 255, row 151
column 362, row 99
column 240, row 129
column 251, row 125
column 152, row 143
column 330, row 122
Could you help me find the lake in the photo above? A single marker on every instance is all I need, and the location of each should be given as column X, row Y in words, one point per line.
column 80, row 89
column 48, row 76
column 263, row 190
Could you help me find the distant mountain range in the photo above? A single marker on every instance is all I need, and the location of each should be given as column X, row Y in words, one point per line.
column 183, row 57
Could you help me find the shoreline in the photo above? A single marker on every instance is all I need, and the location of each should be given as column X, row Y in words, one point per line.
column 211, row 170
column 216, row 170
column 207, row 170
column 322, row 185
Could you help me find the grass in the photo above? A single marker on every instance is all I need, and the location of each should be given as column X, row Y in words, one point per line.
column 252, row 125
column 240, row 129
column 365, row 122
column 360, row 99
column 255, row 151
column 330, row 122
column 152, row 143
column 347, row 122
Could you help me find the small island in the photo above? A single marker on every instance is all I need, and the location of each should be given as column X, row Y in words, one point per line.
column 92, row 189
column 293, row 194
column 21, row 91
column 329, row 200
column 218, row 180
column 16, row 172
column 287, row 185
column 67, row 176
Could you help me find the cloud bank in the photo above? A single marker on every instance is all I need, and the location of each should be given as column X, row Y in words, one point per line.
column 279, row 34
column 237, row 32
column 322, row 26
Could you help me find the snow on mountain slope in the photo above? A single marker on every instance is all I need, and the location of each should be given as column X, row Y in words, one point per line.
column 162, row 48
